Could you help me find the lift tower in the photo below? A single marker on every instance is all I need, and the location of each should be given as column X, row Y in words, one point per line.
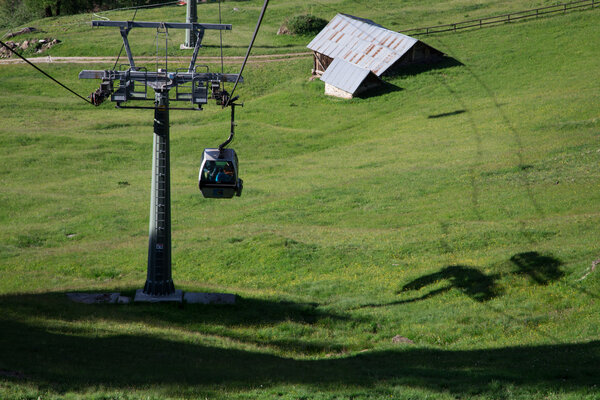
column 132, row 83
column 191, row 17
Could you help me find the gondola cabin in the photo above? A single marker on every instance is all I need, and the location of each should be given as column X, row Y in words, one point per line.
column 218, row 176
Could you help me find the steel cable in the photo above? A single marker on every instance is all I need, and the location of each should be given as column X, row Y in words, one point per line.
column 45, row 73
column 260, row 18
column 221, row 39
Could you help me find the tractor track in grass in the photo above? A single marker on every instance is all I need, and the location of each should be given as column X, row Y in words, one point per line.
column 258, row 59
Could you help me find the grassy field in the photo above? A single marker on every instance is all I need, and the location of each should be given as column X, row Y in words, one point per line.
column 79, row 38
column 456, row 208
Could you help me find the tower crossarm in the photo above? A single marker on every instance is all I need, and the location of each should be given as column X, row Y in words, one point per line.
column 169, row 25
column 196, row 29
column 190, row 84
column 196, row 82
column 142, row 76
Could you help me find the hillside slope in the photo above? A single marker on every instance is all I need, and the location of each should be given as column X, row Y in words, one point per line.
column 78, row 38
column 456, row 209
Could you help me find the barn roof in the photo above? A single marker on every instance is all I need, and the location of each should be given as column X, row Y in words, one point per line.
column 345, row 75
column 361, row 42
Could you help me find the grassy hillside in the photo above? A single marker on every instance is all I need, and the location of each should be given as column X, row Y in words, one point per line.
column 457, row 208
column 79, row 38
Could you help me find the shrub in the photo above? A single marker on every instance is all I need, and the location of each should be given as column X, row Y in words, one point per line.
column 305, row 24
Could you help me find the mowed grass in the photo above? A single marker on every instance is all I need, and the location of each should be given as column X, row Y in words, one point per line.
column 79, row 38
column 457, row 208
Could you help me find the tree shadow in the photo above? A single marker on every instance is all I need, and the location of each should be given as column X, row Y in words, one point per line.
column 540, row 268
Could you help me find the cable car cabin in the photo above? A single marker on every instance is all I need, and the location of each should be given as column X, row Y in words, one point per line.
column 218, row 176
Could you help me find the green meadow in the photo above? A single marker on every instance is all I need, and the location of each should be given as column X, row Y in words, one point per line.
column 432, row 239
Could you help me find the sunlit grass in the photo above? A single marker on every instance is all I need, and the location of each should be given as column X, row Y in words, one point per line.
column 458, row 211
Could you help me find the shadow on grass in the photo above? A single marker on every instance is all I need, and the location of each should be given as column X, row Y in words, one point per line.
column 470, row 281
column 447, row 114
column 382, row 88
column 542, row 269
column 201, row 319
column 411, row 70
column 247, row 312
column 56, row 345
column 68, row 361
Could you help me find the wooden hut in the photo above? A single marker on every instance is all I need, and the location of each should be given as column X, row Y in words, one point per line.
column 367, row 46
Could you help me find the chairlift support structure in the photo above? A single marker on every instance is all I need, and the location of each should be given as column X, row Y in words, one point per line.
column 132, row 83
column 191, row 17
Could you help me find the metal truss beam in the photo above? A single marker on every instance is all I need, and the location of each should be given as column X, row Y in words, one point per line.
column 162, row 25
column 142, row 76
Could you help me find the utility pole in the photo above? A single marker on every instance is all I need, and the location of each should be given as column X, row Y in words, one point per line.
column 191, row 86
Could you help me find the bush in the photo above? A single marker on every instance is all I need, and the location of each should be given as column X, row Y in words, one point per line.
column 305, row 24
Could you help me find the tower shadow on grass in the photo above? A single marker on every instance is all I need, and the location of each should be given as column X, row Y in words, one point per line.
column 542, row 269
column 472, row 282
column 251, row 313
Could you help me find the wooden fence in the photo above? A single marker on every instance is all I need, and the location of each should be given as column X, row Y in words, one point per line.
column 501, row 19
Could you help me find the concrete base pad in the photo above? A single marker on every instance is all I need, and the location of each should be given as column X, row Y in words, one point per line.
column 209, row 298
column 140, row 296
column 94, row 298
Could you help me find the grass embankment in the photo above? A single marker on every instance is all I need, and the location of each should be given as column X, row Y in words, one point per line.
column 458, row 209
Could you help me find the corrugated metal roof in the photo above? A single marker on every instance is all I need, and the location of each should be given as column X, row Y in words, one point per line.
column 361, row 42
column 345, row 75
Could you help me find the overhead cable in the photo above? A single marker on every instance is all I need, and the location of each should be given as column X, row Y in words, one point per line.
column 136, row 7
column 43, row 72
column 221, row 38
column 260, row 18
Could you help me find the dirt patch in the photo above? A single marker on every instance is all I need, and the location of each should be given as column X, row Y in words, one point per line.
column 259, row 59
